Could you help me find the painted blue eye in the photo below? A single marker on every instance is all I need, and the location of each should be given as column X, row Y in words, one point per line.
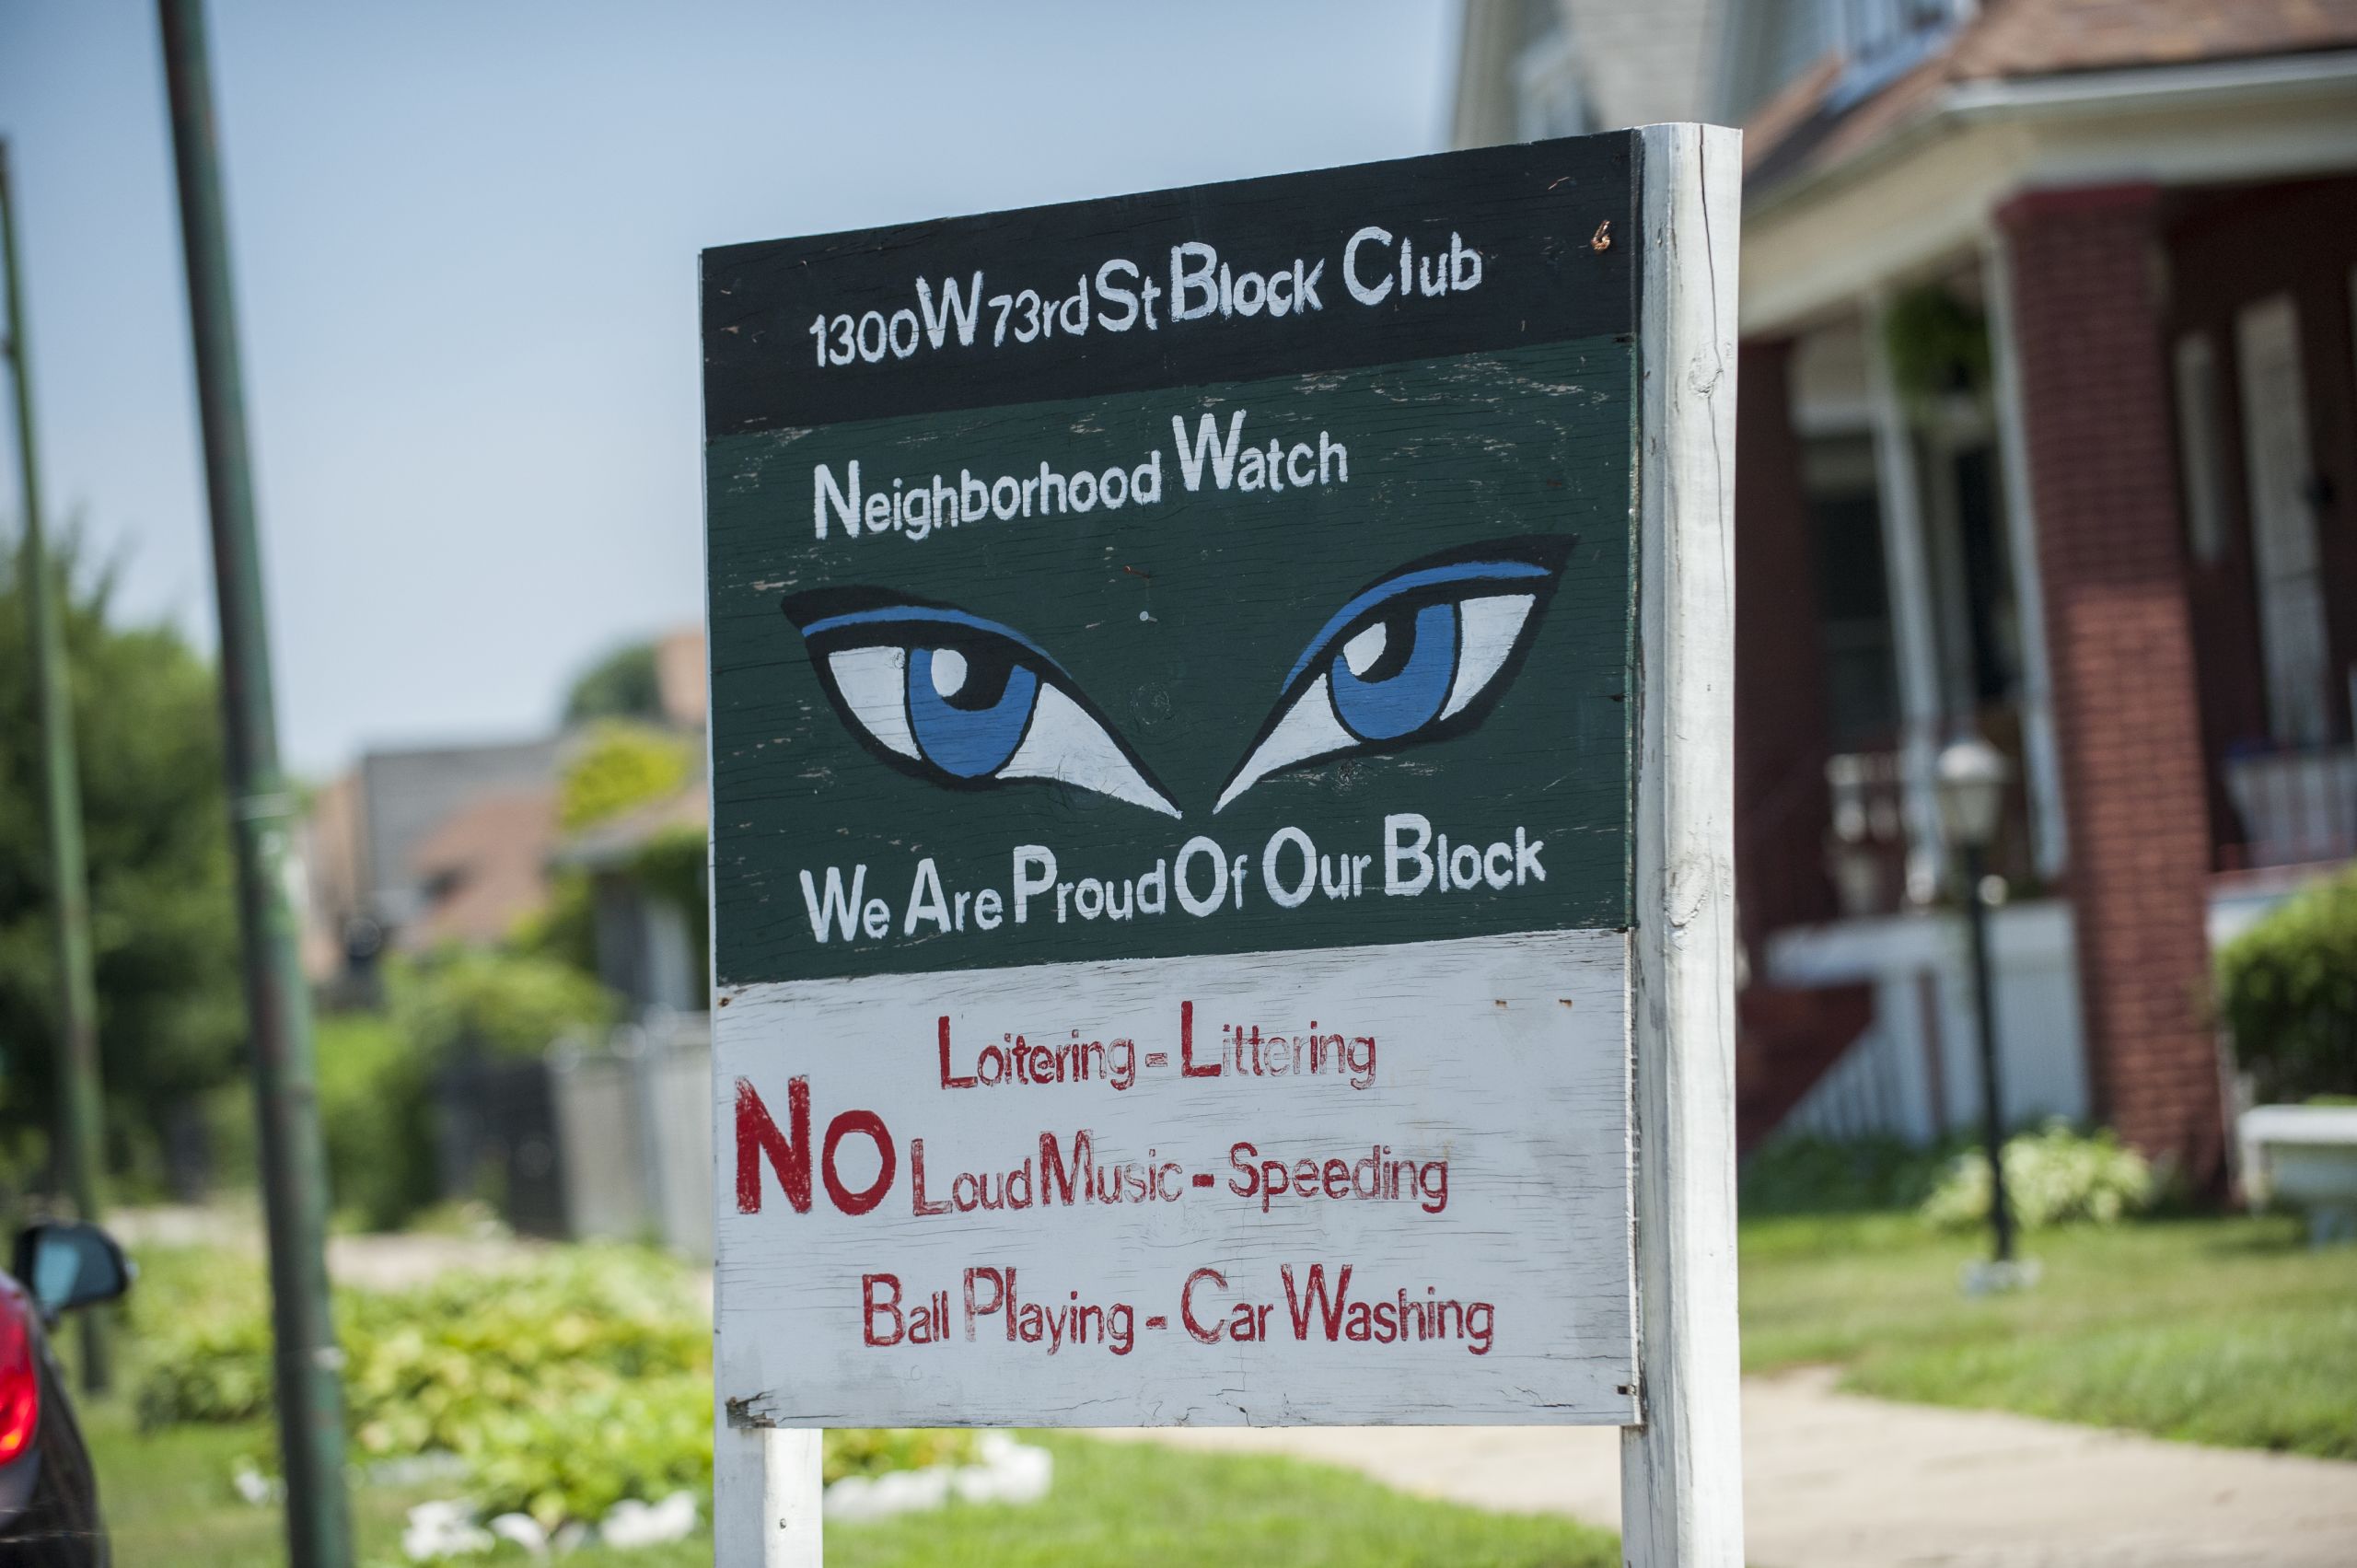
column 959, row 701
column 1393, row 678
column 1419, row 656
column 967, row 713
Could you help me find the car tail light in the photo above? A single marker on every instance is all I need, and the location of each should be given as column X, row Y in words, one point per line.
column 20, row 1380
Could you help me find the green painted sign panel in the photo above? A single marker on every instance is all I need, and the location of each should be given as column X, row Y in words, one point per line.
column 1244, row 631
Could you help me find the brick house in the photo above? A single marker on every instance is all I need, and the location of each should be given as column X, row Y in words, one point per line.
column 2048, row 430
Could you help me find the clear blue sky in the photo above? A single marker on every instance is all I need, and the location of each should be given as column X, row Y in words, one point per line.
column 465, row 237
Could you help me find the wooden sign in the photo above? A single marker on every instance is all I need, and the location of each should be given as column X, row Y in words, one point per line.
column 1181, row 797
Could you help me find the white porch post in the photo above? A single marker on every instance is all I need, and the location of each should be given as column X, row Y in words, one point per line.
column 1914, row 629
column 2043, row 771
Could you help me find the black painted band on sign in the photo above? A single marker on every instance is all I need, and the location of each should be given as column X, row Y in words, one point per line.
column 1379, row 263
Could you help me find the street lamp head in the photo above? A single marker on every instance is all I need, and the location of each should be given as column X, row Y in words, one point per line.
column 1972, row 776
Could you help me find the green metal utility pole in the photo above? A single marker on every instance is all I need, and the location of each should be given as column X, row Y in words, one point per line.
column 262, row 818
column 77, row 1003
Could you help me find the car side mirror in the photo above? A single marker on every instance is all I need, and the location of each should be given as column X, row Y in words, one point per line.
column 66, row 1264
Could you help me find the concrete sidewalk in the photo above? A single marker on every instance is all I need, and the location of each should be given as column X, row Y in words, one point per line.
column 1837, row 1480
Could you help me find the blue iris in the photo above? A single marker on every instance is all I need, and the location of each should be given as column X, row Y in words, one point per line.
column 1406, row 685
column 971, row 733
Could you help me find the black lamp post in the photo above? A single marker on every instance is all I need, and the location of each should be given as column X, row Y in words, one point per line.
column 1972, row 776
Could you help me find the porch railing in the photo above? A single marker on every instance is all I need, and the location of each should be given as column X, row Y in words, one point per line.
column 2296, row 806
column 1830, row 839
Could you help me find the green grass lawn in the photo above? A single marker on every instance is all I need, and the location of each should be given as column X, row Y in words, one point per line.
column 166, row 1495
column 169, row 1500
column 2214, row 1331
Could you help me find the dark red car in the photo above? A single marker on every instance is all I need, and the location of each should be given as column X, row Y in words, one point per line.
column 49, row 1498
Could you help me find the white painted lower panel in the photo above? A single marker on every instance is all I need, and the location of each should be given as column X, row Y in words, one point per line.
column 1472, row 1176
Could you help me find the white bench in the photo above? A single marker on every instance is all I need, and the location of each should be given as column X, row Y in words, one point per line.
column 2305, row 1156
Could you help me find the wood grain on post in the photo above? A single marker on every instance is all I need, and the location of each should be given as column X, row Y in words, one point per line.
column 1681, row 1471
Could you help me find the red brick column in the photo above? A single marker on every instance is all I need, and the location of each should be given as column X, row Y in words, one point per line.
column 2110, row 546
column 1780, row 736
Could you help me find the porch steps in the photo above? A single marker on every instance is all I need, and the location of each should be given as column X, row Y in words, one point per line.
column 1786, row 1038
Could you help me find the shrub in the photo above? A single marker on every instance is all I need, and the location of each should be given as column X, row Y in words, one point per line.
column 576, row 1457
column 564, row 930
column 374, row 1118
column 1938, row 344
column 2054, row 1175
column 2288, row 990
column 376, row 1070
column 495, row 1004
column 873, row 1450
column 577, row 1380
column 513, row 1372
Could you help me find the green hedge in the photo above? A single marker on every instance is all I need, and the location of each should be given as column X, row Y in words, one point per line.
column 2287, row 988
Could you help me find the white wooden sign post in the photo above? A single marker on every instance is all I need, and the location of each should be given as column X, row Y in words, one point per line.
column 1222, row 744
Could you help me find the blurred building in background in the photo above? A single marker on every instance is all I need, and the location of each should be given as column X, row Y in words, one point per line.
column 418, row 846
column 416, row 850
column 2046, row 429
column 679, row 681
column 415, row 846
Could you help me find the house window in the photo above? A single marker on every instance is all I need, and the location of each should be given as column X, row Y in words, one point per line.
column 1549, row 98
column 1854, row 598
column 2199, row 465
column 2281, row 479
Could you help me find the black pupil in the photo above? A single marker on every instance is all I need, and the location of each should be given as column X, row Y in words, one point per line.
column 987, row 669
column 1399, row 623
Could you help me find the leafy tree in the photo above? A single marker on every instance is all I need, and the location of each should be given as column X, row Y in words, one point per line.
column 623, row 765
column 163, row 921
column 622, row 685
